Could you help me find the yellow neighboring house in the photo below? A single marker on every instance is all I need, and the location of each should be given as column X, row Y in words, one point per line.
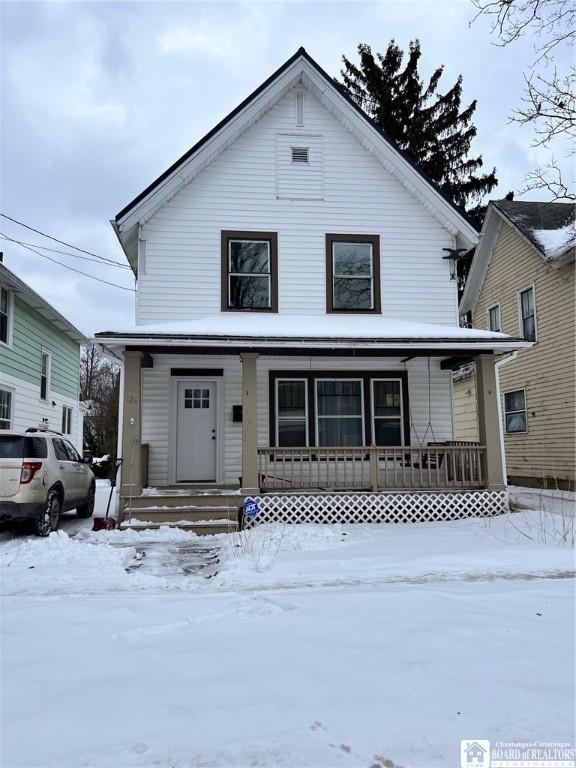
column 521, row 282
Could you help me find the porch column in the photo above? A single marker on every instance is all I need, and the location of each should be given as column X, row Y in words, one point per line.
column 250, row 484
column 489, row 425
column 131, row 425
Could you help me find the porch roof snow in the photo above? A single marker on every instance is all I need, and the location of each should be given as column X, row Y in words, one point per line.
column 324, row 330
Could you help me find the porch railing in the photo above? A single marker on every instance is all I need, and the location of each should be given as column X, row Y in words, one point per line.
column 448, row 465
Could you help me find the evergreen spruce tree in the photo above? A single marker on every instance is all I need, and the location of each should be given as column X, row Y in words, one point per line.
column 427, row 125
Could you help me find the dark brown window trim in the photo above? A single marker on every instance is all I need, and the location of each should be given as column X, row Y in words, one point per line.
column 309, row 375
column 339, row 238
column 272, row 238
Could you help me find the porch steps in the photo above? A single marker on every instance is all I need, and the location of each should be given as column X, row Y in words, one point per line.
column 200, row 528
column 198, row 500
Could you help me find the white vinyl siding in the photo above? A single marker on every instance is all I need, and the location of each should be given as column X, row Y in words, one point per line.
column 237, row 191
column 156, row 401
column 28, row 410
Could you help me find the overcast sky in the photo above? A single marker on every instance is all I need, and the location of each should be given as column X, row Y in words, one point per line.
column 99, row 98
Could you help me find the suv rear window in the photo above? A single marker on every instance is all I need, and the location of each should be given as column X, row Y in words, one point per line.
column 18, row 447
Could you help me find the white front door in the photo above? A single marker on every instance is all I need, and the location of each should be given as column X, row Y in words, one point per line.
column 196, row 432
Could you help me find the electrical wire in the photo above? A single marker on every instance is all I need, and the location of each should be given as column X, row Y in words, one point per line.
column 62, row 242
column 72, row 269
column 65, row 253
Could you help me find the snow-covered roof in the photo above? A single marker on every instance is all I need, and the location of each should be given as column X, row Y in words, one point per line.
column 328, row 331
column 548, row 228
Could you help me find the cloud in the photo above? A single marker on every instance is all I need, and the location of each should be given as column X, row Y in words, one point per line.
column 184, row 38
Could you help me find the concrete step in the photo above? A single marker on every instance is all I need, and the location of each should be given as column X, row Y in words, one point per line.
column 187, row 513
column 200, row 499
column 204, row 528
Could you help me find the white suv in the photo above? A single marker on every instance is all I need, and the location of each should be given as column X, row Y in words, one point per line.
column 42, row 475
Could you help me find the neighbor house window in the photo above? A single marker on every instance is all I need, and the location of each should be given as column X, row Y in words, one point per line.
column 527, row 314
column 515, row 411
column 387, row 411
column 291, row 413
column 44, row 374
column 340, row 412
column 250, row 271
column 352, row 273
column 5, row 409
column 494, row 318
column 66, row 420
column 4, row 315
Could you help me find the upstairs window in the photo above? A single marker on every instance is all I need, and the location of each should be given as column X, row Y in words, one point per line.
column 527, row 314
column 44, row 374
column 5, row 312
column 352, row 273
column 494, row 318
column 250, row 271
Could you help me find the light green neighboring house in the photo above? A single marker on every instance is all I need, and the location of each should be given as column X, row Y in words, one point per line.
column 39, row 362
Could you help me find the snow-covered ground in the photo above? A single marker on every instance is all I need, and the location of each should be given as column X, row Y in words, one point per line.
column 286, row 645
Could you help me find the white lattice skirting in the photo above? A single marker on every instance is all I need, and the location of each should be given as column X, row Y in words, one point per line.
column 379, row 507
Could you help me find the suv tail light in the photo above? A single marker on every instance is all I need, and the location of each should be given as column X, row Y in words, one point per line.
column 29, row 469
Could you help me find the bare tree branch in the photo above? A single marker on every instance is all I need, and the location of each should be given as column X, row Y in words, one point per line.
column 549, row 178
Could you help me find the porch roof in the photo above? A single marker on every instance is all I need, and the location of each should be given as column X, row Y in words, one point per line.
column 263, row 330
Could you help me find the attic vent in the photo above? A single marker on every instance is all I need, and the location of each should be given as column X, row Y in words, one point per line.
column 300, row 154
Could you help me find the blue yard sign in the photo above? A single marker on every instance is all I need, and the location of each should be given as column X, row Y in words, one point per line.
column 251, row 507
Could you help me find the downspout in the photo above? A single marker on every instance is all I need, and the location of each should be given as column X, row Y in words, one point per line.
column 497, row 365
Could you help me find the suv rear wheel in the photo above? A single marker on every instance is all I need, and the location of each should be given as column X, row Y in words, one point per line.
column 86, row 509
column 50, row 517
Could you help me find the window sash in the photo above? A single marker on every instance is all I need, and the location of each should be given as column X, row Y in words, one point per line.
column 494, row 318
column 511, row 414
column 285, row 420
column 392, row 418
column 66, row 420
column 359, row 416
column 5, row 409
column 527, row 314
column 4, row 314
column 259, row 275
column 44, row 375
column 337, row 276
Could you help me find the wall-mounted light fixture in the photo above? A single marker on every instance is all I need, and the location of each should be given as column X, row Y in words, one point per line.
column 454, row 254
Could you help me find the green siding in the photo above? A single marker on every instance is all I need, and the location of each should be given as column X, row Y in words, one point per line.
column 30, row 334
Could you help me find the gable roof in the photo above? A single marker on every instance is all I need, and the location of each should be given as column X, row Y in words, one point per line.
column 36, row 302
column 548, row 228
column 540, row 221
column 299, row 68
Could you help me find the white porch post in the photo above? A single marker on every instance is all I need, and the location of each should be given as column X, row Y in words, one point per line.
column 250, row 484
column 489, row 425
column 131, row 425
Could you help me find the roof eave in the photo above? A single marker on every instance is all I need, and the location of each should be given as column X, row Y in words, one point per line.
column 40, row 305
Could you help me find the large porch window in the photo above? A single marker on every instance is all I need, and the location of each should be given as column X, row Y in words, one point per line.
column 339, row 411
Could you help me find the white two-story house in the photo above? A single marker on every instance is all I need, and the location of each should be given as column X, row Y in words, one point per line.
column 297, row 324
